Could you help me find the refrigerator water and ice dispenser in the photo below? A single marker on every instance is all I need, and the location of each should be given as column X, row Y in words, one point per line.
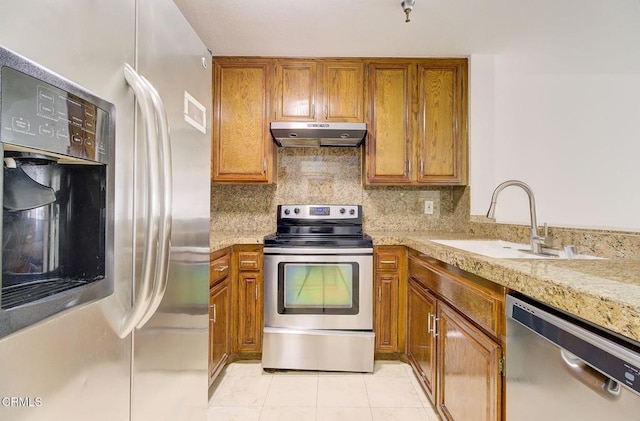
column 56, row 141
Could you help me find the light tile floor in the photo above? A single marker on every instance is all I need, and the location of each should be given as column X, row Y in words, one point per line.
column 244, row 392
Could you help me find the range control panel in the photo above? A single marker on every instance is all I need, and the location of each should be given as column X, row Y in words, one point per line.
column 319, row 211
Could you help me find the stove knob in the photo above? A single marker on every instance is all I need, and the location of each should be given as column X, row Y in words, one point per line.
column 342, row 210
column 296, row 211
column 287, row 211
column 352, row 211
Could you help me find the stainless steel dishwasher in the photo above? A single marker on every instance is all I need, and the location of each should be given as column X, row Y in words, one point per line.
column 560, row 368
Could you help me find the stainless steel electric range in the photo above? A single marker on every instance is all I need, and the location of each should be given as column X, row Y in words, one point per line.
column 318, row 290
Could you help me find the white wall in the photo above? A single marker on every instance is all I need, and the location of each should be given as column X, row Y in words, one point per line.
column 561, row 112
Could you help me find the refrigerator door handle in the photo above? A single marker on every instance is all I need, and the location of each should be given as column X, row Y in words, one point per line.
column 166, row 188
column 150, row 254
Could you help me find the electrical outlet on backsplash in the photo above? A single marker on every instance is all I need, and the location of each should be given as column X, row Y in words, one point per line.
column 402, row 208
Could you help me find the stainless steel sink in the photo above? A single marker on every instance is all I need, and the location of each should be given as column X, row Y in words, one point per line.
column 508, row 250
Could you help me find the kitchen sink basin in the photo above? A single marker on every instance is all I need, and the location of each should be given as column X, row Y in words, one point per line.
column 508, row 250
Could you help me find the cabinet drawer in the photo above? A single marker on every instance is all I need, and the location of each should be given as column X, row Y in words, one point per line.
column 478, row 299
column 387, row 261
column 249, row 260
column 219, row 269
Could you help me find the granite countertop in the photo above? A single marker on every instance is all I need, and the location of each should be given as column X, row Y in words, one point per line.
column 604, row 292
column 223, row 239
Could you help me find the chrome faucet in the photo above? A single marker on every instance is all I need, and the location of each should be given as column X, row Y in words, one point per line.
column 535, row 239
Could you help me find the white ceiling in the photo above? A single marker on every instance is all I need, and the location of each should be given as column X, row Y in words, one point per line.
column 376, row 28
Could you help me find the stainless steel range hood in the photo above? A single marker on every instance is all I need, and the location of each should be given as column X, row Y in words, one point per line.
column 290, row 134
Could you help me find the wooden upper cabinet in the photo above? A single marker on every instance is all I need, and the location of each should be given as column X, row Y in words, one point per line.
column 442, row 122
column 319, row 90
column 296, row 90
column 242, row 146
column 343, row 91
column 417, row 122
column 388, row 146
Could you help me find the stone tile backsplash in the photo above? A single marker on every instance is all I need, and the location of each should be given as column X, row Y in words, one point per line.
column 603, row 243
column 333, row 176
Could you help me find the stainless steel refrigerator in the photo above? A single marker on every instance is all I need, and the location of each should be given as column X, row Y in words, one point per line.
column 82, row 363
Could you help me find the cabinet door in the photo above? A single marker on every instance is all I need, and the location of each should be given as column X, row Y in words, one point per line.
column 421, row 343
column 242, row 145
column 342, row 92
column 442, row 127
column 470, row 383
column 250, row 312
column 296, row 90
column 218, row 327
column 388, row 147
column 386, row 312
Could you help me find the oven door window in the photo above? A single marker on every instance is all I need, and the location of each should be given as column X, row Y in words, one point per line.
column 318, row 288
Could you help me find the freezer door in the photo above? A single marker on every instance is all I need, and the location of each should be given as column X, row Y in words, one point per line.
column 74, row 366
column 170, row 351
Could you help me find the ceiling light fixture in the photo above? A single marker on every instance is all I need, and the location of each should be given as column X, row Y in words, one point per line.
column 407, row 6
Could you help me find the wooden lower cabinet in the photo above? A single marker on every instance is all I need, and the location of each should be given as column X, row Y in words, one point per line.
column 248, row 311
column 421, row 344
column 386, row 310
column 454, row 349
column 389, row 299
column 218, row 328
column 469, row 378
column 219, row 312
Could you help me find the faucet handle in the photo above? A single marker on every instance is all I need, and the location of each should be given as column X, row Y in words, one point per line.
column 546, row 230
column 570, row 251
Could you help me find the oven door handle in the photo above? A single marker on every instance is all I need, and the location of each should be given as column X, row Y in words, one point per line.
column 144, row 294
column 166, row 199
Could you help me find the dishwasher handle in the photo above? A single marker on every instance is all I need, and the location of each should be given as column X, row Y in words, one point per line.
column 602, row 384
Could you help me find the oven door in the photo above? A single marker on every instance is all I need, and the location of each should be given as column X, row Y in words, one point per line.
column 313, row 288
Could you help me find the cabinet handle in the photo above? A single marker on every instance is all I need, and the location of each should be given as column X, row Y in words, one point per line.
column 387, row 262
column 214, row 313
column 409, row 167
column 326, row 112
column 435, row 326
column 313, row 110
column 429, row 330
column 222, row 268
column 256, row 292
column 379, row 293
column 247, row 262
column 264, row 165
column 421, row 167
